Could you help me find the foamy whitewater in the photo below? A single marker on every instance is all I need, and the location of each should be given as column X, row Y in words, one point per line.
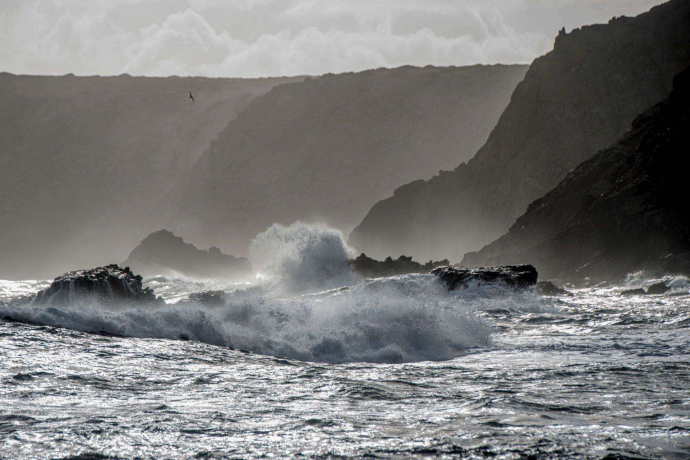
column 308, row 361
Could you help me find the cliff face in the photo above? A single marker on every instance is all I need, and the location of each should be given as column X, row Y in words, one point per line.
column 87, row 163
column 574, row 101
column 163, row 253
column 623, row 210
column 328, row 148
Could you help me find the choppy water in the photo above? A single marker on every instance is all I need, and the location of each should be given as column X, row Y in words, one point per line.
column 480, row 373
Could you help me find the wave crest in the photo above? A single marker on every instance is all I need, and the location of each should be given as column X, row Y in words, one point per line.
column 303, row 257
column 407, row 319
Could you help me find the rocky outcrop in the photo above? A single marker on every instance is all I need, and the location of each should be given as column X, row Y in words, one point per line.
column 514, row 276
column 622, row 211
column 109, row 285
column 574, row 101
column 658, row 288
column 550, row 289
column 330, row 147
column 366, row 267
column 205, row 298
column 164, row 253
column 91, row 159
column 654, row 289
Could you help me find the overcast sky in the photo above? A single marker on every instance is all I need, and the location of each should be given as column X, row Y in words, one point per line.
column 252, row 38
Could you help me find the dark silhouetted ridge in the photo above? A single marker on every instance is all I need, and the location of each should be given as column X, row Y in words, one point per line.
column 623, row 210
column 164, row 253
column 574, row 101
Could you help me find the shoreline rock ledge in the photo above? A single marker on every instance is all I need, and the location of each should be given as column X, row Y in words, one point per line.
column 107, row 285
column 515, row 276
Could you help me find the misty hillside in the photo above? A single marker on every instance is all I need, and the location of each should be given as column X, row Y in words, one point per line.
column 328, row 148
column 86, row 162
column 163, row 253
column 621, row 211
column 574, row 101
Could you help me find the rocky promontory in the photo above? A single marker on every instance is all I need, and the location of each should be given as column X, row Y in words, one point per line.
column 622, row 211
column 366, row 267
column 108, row 285
column 454, row 277
column 574, row 101
column 514, row 276
column 163, row 253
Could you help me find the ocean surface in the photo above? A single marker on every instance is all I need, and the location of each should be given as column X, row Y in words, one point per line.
column 388, row 368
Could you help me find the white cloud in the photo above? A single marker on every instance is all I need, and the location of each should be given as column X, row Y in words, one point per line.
column 250, row 38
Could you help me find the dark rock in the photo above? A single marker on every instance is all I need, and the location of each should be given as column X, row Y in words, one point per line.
column 638, row 291
column 658, row 288
column 621, row 211
column 105, row 285
column 518, row 276
column 573, row 102
column 548, row 288
column 366, row 267
column 208, row 298
column 164, row 253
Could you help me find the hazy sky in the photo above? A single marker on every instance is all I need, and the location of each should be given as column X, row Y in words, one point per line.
column 250, row 38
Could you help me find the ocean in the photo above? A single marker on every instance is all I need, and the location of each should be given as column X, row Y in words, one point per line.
column 389, row 368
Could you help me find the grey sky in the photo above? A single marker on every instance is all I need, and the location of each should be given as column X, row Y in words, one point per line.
column 251, row 38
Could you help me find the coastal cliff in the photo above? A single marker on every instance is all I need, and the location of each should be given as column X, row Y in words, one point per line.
column 623, row 210
column 328, row 148
column 574, row 101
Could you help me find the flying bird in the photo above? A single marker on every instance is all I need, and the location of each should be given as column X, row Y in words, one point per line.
column 190, row 96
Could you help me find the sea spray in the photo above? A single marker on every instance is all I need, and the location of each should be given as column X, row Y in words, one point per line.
column 597, row 357
column 303, row 257
column 678, row 284
column 407, row 318
column 401, row 319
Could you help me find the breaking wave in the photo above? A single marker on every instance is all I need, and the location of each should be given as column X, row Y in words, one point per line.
column 406, row 318
column 679, row 285
column 390, row 320
column 303, row 257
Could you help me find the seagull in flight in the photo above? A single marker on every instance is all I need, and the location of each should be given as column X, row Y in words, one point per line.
column 190, row 96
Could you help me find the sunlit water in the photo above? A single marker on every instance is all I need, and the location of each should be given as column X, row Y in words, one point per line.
column 480, row 373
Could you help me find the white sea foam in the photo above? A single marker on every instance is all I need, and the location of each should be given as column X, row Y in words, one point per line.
column 11, row 289
column 679, row 285
column 398, row 319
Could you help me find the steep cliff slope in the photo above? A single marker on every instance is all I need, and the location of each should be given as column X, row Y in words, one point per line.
column 328, row 148
column 574, row 101
column 623, row 210
column 86, row 163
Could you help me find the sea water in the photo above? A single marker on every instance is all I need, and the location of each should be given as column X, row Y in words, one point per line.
column 295, row 364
